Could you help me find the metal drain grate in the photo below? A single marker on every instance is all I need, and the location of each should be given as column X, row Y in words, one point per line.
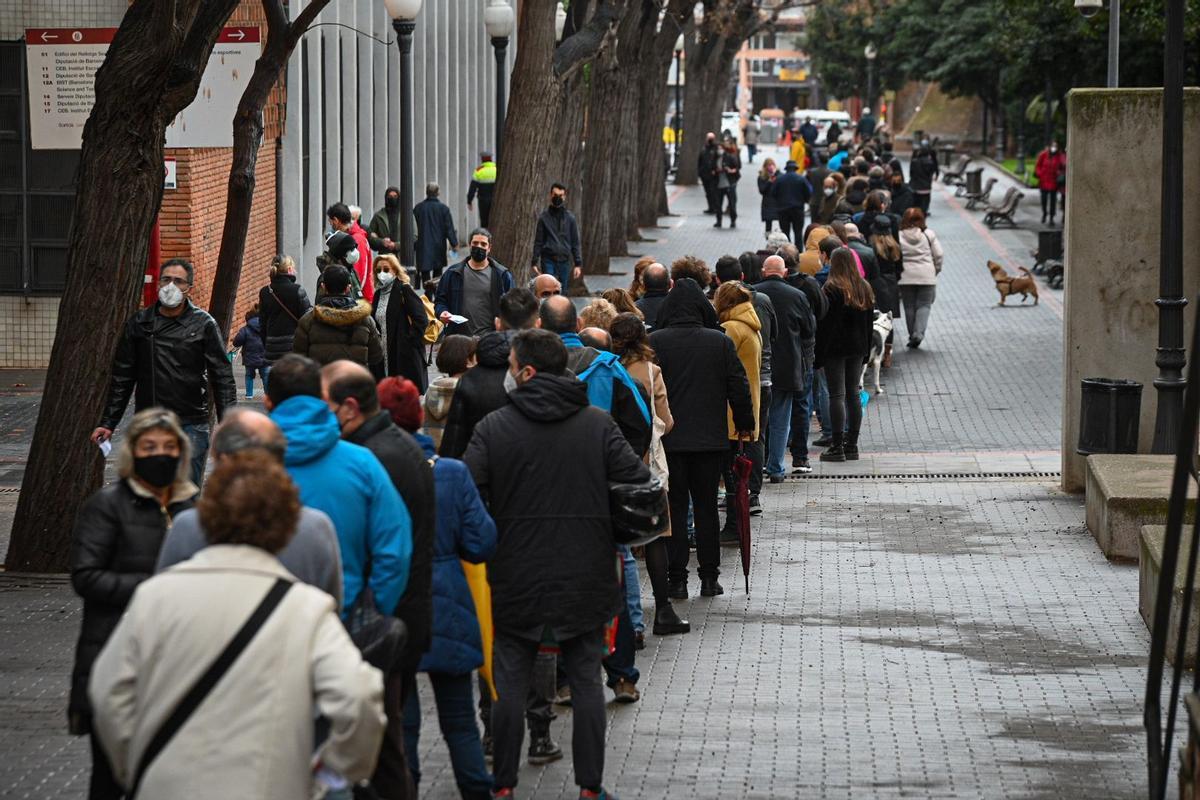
column 926, row 476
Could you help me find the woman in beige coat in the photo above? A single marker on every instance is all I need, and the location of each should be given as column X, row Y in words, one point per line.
column 252, row 735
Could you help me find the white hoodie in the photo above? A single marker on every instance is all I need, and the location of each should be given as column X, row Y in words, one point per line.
column 922, row 257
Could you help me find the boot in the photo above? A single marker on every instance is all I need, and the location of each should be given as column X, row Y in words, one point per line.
column 851, row 446
column 836, row 451
column 710, row 587
column 542, row 749
column 667, row 622
column 887, row 357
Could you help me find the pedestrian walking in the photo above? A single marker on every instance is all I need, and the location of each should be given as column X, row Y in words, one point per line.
column 481, row 390
column 843, row 341
column 168, row 355
column 791, row 370
column 735, row 308
column 234, row 604
column 701, row 369
column 341, row 220
column 729, row 172
column 483, row 186
column 472, row 288
column 657, row 280
column 921, row 174
column 351, row 393
column 118, row 533
column 791, row 193
column 866, row 126
column 556, row 245
column 1051, row 173
column 435, row 230
column 383, row 234
column 543, row 581
column 922, row 254
column 456, row 354
column 901, row 196
column 312, row 554
column 254, row 351
column 769, row 209
column 751, row 134
column 281, row 304
column 400, row 316
column 340, row 326
column 464, row 531
column 707, row 164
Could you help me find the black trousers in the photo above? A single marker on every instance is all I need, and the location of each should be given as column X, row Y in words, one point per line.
column 103, row 786
column 710, row 193
column 923, row 201
column 845, row 382
column 791, row 222
column 485, row 211
column 694, row 477
column 757, row 450
column 513, row 659
column 1049, row 200
column 393, row 779
column 727, row 202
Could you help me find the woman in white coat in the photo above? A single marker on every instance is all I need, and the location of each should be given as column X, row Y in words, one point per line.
column 918, row 283
column 251, row 735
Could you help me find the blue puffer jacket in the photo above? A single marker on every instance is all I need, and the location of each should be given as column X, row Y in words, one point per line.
column 464, row 531
column 254, row 348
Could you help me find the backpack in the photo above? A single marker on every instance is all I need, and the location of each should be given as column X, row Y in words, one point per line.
column 599, row 379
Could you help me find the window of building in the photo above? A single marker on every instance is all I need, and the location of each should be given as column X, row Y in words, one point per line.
column 37, row 192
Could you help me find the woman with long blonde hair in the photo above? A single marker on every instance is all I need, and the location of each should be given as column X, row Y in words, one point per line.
column 843, row 342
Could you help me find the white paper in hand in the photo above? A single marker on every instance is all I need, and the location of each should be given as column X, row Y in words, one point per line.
column 105, row 447
column 457, row 319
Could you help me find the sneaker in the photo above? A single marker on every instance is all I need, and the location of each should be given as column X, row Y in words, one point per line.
column 755, row 506
column 824, row 441
column 563, row 696
column 625, row 692
column 502, row 793
column 729, row 536
column 603, row 794
column 777, row 478
column 801, row 467
column 543, row 750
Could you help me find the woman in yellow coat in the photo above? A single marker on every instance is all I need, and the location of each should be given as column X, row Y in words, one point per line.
column 735, row 310
column 799, row 153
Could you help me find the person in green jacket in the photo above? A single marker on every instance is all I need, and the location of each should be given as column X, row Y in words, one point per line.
column 383, row 234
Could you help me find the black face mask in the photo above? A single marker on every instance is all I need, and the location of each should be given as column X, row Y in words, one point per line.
column 478, row 254
column 391, row 201
column 158, row 471
column 557, row 202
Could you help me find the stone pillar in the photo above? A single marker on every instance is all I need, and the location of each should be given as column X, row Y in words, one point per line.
column 1114, row 202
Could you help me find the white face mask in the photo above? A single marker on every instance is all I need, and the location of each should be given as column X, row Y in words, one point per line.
column 171, row 296
column 385, row 279
column 352, row 257
column 830, row 191
column 510, row 383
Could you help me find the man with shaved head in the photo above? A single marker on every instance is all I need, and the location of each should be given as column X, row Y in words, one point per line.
column 546, row 285
column 791, row 370
column 657, row 281
column 312, row 555
column 349, row 389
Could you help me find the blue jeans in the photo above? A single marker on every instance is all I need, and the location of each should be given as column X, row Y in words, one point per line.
column 262, row 373
column 780, row 425
column 559, row 269
column 456, row 715
column 801, row 419
column 633, row 588
column 620, row 665
column 820, row 394
column 198, row 436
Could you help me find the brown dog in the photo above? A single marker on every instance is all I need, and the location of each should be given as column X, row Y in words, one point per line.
column 1006, row 285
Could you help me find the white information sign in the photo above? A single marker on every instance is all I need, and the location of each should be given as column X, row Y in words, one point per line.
column 169, row 181
column 62, row 86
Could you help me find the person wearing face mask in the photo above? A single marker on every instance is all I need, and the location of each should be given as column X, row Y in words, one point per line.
column 340, row 219
column 168, row 356
column 401, row 319
column 340, row 326
column 118, row 533
column 472, row 288
column 902, row 196
column 766, row 182
column 383, row 234
column 281, row 304
column 828, row 203
column 556, row 246
column 435, row 230
column 1050, row 171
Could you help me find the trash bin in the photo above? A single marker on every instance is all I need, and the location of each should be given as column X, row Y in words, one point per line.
column 1109, row 411
column 947, row 151
column 1050, row 245
column 974, row 181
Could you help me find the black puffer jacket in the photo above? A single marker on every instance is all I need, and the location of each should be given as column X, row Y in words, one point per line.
column 480, row 391
column 281, row 304
column 412, row 476
column 118, row 533
column 543, row 464
column 703, row 375
column 170, row 361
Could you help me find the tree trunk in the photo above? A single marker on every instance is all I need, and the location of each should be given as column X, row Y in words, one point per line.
column 604, row 100
column 535, row 107
column 622, row 225
column 152, row 71
column 247, row 141
column 655, row 68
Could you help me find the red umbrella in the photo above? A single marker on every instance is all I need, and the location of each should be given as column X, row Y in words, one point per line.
column 741, row 508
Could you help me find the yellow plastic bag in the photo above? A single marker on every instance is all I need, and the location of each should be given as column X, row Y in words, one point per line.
column 481, row 593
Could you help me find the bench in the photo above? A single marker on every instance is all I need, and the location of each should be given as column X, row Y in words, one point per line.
column 954, row 174
column 1002, row 214
column 981, row 197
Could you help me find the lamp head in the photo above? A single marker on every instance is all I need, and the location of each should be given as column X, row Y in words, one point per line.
column 1089, row 8
column 560, row 22
column 405, row 10
column 870, row 52
column 498, row 19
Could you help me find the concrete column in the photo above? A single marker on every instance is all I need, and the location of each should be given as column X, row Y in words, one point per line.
column 331, row 124
column 365, row 195
column 347, row 67
column 381, row 177
column 291, row 199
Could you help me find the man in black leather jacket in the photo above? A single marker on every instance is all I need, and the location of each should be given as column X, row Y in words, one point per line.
column 167, row 356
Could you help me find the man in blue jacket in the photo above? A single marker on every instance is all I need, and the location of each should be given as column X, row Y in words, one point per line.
column 345, row 481
column 792, row 193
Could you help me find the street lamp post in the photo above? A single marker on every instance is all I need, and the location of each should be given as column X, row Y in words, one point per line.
column 1170, row 356
column 678, row 101
column 870, row 52
column 498, row 20
column 1090, row 8
column 404, row 15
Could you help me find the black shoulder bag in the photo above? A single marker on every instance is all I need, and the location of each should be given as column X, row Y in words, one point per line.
column 195, row 696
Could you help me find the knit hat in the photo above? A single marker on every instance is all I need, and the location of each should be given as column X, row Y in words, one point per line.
column 401, row 399
column 340, row 244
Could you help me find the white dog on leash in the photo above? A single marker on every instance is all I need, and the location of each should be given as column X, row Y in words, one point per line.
column 880, row 330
